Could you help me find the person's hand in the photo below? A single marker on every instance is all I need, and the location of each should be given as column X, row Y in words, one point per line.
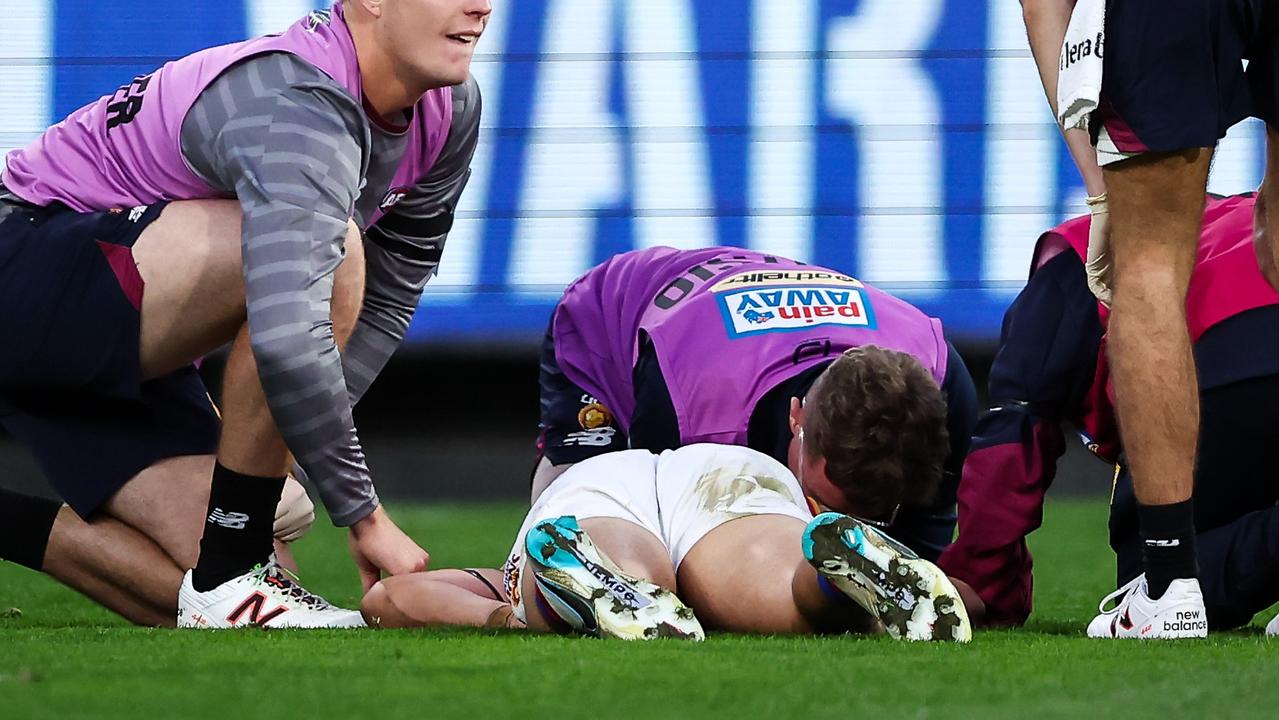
column 1263, row 243
column 379, row 546
column 1099, row 264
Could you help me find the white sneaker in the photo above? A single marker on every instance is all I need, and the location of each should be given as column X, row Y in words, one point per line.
column 267, row 596
column 1179, row 613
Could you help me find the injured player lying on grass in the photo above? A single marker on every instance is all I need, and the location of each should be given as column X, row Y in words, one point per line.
column 638, row 546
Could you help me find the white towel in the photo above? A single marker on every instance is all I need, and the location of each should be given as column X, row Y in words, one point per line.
column 1079, row 78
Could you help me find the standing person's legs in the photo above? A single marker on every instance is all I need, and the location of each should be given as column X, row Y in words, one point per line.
column 1173, row 84
column 1156, row 208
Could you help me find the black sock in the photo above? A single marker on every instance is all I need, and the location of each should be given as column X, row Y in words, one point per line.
column 238, row 531
column 25, row 525
column 1168, row 544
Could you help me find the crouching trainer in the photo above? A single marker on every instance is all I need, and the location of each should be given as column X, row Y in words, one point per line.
column 854, row 390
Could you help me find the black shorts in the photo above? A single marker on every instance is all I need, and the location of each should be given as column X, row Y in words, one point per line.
column 70, row 378
column 1173, row 76
column 574, row 425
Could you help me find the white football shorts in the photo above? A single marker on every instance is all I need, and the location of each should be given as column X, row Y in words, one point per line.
column 679, row 497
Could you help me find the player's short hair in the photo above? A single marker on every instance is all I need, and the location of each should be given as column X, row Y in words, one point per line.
column 879, row 419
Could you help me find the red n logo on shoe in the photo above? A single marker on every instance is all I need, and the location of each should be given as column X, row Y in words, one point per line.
column 253, row 606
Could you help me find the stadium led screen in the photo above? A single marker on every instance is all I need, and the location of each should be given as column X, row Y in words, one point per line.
column 904, row 141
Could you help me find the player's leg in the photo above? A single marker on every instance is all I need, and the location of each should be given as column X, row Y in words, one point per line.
column 186, row 315
column 611, row 574
column 146, row 459
column 89, row 448
column 189, row 314
column 912, row 597
column 439, row 597
column 107, row 560
column 167, row 503
column 1239, row 563
column 1173, row 84
column 750, row 575
column 604, row 576
column 116, row 566
column 252, row 458
column 778, row 574
column 113, row 563
column 71, row 378
column 1235, row 496
column 1156, row 207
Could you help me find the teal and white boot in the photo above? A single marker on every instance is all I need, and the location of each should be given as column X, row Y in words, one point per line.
column 589, row 593
column 912, row 597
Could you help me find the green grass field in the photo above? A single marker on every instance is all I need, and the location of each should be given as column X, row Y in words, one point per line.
column 62, row 657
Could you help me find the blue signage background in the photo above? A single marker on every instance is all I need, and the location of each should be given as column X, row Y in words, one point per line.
column 906, row 142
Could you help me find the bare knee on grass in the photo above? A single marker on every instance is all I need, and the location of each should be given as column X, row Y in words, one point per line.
column 739, row 577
